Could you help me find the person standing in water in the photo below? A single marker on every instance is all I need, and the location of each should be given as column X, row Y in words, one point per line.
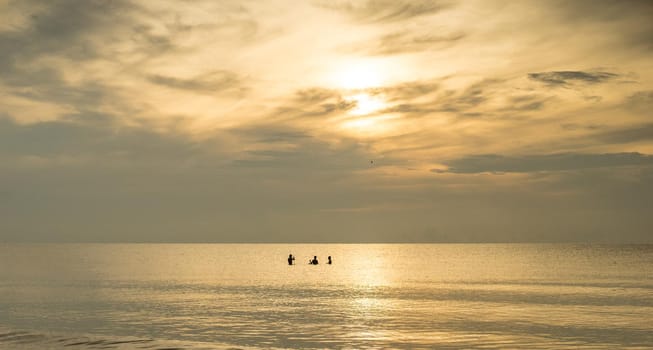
column 329, row 262
column 314, row 261
column 290, row 259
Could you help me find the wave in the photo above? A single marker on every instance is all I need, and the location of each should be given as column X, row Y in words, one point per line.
column 27, row 340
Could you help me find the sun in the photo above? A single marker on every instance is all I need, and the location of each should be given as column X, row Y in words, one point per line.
column 359, row 78
column 358, row 75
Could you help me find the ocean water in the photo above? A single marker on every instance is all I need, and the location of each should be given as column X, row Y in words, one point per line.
column 245, row 296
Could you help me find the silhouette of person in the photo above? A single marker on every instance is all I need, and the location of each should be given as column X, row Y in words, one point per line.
column 329, row 262
column 290, row 259
column 314, row 261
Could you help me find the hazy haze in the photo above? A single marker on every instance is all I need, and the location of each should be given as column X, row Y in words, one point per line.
column 326, row 121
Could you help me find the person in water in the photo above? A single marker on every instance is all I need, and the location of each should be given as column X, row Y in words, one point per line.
column 314, row 261
column 329, row 262
column 290, row 259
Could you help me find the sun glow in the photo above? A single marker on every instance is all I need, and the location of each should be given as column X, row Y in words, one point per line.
column 367, row 119
column 366, row 104
column 369, row 125
column 359, row 75
column 362, row 123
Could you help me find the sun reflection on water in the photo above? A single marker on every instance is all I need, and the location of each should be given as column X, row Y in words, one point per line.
column 368, row 269
column 367, row 303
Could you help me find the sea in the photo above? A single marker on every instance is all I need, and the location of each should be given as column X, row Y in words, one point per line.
column 373, row 296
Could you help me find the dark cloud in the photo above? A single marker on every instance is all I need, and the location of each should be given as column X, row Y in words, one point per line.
column 60, row 27
column 577, row 126
column 414, row 99
column 268, row 134
column 403, row 96
column 565, row 78
column 640, row 101
column 283, row 148
column 408, row 90
column 406, row 42
column 316, row 95
column 347, row 156
column 638, row 133
column 533, row 106
column 412, row 109
column 149, row 42
column 411, row 99
column 63, row 28
column 612, row 10
column 627, row 21
column 139, row 185
column 105, row 143
column 525, row 103
column 210, row 82
column 124, row 183
column 72, row 33
column 380, row 11
column 312, row 103
column 54, row 139
column 473, row 96
column 421, row 98
column 491, row 163
column 85, row 96
column 101, row 173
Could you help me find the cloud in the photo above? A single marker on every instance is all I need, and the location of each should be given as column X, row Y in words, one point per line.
column 91, row 56
column 641, row 101
column 407, row 90
column 467, row 101
column 210, row 82
column 578, row 126
column 347, row 156
column 269, row 146
column 109, row 107
column 102, row 141
column 121, row 179
column 525, row 103
column 492, row 163
column 268, row 133
column 45, row 57
column 565, row 78
column 405, row 42
column 420, row 98
column 473, row 95
column 64, row 29
column 47, row 26
column 627, row 21
column 487, row 97
column 283, row 148
column 312, row 103
column 384, row 11
column 643, row 132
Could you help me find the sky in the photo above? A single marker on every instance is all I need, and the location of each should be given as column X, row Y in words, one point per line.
column 326, row 121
